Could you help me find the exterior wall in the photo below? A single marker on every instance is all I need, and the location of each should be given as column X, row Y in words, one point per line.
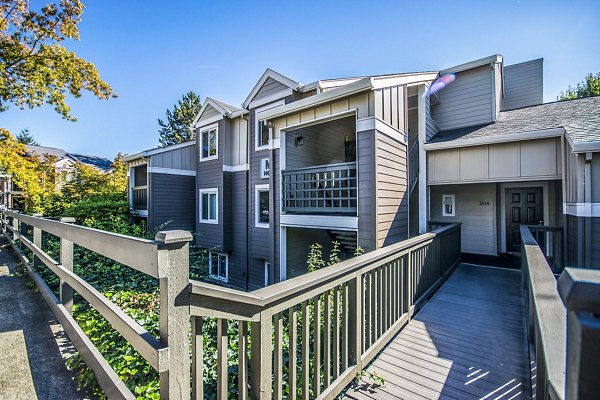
column 523, row 160
column 595, row 242
column 391, row 196
column 390, row 106
column 431, row 128
column 209, row 112
column 171, row 201
column 365, row 153
column 523, row 84
column 235, row 225
column 270, row 87
column 478, row 233
column 236, row 142
column 577, row 245
column 467, row 101
column 182, row 158
column 595, row 179
column 298, row 248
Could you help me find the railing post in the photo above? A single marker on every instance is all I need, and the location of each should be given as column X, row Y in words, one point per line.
column 66, row 260
column 173, row 275
column 16, row 225
column 37, row 240
column 355, row 318
column 579, row 290
column 261, row 361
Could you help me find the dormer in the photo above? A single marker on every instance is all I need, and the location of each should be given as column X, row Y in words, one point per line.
column 271, row 86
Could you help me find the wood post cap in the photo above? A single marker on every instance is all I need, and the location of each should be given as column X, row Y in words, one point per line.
column 579, row 289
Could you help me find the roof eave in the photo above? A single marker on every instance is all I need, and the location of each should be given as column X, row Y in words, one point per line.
column 496, row 58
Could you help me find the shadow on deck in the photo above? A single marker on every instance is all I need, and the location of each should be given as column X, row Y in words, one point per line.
column 468, row 342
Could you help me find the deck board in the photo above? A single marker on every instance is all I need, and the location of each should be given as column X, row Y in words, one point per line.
column 468, row 342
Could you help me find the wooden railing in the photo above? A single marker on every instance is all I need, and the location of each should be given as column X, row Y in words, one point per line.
column 326, row 189
column 166, row 258
column 413, row 166
column 312, row 335
column 139, row 197
column 551, row 241
column 546, row 320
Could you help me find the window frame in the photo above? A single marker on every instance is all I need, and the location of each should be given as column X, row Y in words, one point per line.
column 201, row 139
column 210, row 261
column 209, row 191
column 267, row 272
column 257, row 190
column 257, row 145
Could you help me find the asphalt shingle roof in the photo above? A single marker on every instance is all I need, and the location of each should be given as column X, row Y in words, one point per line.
column 580, row 118
column 226, row 106
column 94, row 161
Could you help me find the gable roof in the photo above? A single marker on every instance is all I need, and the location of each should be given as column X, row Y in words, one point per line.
column 580, row 118
column 41, row 150
column 60, row 154
column 270, row 74
column 222, row 108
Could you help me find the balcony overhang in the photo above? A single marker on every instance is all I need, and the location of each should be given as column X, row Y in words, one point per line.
column 319, row 221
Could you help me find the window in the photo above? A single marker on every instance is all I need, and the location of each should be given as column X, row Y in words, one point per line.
column 208, row 206
column 448, row 205
column 267, row 269
column 263, row 135
column 209, row 143
column 218, row 265
column 262, row 206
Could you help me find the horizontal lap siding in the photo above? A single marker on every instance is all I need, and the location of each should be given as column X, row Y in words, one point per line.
column 392, row 197
column 270, row 87
column 430, row 128
column 366, row 189
column 467, row 101
column 236, row 226
column 209, row 112
column 173, row 202
column 523, row 84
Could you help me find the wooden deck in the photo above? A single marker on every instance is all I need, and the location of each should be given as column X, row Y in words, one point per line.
column 467, row 342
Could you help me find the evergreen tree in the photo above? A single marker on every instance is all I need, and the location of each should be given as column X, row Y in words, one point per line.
column 589, row 87
column 177, row 127
column 25, row 137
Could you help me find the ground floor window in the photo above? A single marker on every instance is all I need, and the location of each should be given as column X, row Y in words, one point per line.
column 267, row 269
column 262, row 206
column 218, row 265
column 208, row 206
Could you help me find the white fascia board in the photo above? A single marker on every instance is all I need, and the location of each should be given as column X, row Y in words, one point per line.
column 496, row 58
column 582, row 209
column 269, row 73
column 513, row 137
column 316, row 100
column 217, row 107
column 270, row 99
column 209, row 121
column 584, row 147
column 319, row 222
column 238, row 113
column 171, row 171
column 387, row 81
column 158, row 150
column 236, row 168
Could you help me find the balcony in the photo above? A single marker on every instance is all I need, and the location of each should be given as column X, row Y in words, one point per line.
column 325, row 190
column 139, row 198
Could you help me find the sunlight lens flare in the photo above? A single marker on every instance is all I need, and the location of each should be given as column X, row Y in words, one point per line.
column 440, row 83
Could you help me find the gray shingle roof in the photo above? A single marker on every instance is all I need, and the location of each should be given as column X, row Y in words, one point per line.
column 94, row 161
column 41, row 150
column 580, row 118
column 226, row 106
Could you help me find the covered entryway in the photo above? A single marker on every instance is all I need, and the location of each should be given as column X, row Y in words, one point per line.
column 523, row 206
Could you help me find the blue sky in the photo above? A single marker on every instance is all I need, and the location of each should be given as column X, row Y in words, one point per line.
column 152, row 52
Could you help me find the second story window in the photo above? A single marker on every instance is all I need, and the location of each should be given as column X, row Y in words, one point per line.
column 209, row 206
column 209, row 139
column 262, row 206
column 263, row 135
column 261, row 131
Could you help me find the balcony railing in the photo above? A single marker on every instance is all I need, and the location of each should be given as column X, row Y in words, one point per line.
column 140, row 198
column 327, row 189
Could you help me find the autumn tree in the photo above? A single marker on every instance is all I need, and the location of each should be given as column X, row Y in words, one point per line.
column 177, row 127
column 23, row 169
column 25, row 137
column 589, row 87
column 35, row 67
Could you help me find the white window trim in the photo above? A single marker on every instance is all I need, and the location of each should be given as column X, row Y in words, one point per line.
column 217, row 277
column 453, row 203
column 205, row 129
column 267, row 269
column 257, row 190
column 257, row 147
column 209, row 191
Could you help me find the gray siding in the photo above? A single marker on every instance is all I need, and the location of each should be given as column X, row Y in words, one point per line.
column 390, row 106
column 209, row 111
column 523, row 84
column 235, row 225
column 595, row 241
column 595, row 178
column 365, row 153
column 431, row 129
column 299, row 242
column 392, row 197
column 182, row 158
column 579, row 246
column 172, row 201
column 467, row 101
column 270, row 87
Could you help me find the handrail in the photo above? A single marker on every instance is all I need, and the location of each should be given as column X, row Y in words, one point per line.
column 546, row 319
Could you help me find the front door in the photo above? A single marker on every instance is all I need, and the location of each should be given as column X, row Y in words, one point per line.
column 523, row 206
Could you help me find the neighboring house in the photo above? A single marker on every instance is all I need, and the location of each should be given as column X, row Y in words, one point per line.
column 63, row 162
column 370, row 161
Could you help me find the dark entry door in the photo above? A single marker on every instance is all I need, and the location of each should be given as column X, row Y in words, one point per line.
column 523, row 206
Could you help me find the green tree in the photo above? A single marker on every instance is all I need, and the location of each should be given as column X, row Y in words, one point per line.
column 35, row 68
column 25, row 137
column 589, row 87
column 177, row 127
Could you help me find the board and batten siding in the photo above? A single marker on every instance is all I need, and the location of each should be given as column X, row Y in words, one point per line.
column 523, row 84
column 519, row 160
column 172, row 201
column 467, row 101
column 475, row 209
column 183, row 158
column 392, row 196
column 270, row 87
column 391, row 106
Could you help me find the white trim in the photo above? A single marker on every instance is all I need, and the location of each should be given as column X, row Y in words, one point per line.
column 511, row 137
column 258, row 147
column 424, row 199
column 317, row 121
column 217, row 277
column 498, row 180
column 582, row 209
column 257, row 190
column 273, row 97
column 142, row 213
column 380, row 82
column 282, row 253
column 171, row 171
column 452, row 198
column 213, row 104
column 208, row 191
column 319, row 221
column 267, row 263
column 207, row 129
column 269, row 73
column 374, row 123
column 209, row 121
column 496, row 58
column 236, row 168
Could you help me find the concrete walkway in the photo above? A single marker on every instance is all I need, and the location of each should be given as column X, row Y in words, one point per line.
column 31, row 364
